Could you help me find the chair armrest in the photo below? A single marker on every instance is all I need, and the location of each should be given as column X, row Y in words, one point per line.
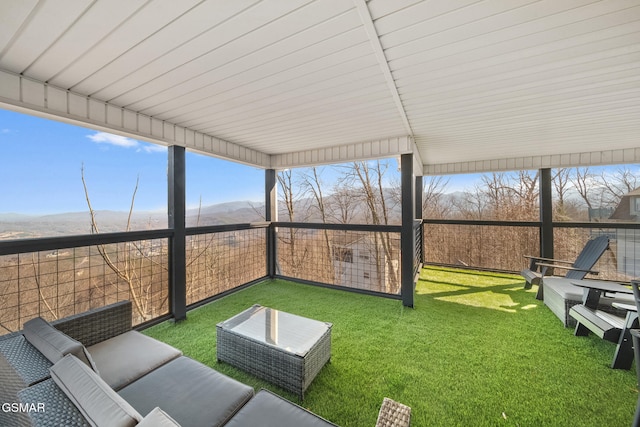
column 548, row 259
column 566, row 267
column 623, row 306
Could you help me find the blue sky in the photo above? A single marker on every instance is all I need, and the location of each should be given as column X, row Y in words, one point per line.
column 41, row 163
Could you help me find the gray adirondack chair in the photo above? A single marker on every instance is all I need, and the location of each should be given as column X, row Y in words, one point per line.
column 635, row 335
column 578, row 269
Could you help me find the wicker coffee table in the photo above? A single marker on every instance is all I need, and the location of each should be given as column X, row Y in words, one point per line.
column 282, row 348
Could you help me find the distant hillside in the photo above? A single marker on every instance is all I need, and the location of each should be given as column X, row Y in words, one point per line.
column 19, row 226
column 15, row 225
column 226, row 213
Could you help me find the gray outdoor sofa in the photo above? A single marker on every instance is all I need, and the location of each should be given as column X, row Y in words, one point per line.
column 93, row 369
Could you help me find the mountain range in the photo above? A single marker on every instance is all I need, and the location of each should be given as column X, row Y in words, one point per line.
column 21, row 226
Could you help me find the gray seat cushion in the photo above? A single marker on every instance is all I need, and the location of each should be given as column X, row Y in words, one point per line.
column 98, row 403
column 191, row 393
column 127, row 357
column 269, row 410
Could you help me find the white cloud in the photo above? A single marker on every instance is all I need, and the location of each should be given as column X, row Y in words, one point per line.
column 117, row 140
column 153, row 148
column 124, row 142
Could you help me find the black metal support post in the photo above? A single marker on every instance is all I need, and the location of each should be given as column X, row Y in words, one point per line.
column 418, row 206
column 177, row 248
column 270, row 215
column 407, row 245
column 546, row 214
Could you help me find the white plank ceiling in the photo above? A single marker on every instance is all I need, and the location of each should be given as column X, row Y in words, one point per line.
column 466, row 85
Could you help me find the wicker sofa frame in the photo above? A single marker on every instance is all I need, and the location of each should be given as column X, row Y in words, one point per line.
column 20, row 364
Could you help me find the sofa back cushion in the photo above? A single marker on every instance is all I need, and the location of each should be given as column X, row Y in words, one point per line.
column 53, row 344
column 98, row 403
column 158, row 418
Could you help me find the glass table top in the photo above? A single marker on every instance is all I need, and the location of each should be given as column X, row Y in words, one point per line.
column 295, row 334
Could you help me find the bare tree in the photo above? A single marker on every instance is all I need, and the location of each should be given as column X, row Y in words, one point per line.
column 123, row 266
column 527, row 193
column 472, row 204
column 433, row 201
column 43, row 298
column 202, row 249
column 566, row 206
column 507, row 196
column 296, row 210
column 615, row 186
column 495, row 191
column 313, row 185
column 582, row 180
column 370, row 180
column 562, row 184
column 344, row 205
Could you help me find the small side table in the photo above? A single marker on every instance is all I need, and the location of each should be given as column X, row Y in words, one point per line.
column 282, row 348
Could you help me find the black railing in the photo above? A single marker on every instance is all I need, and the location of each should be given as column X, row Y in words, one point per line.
column 360, row 257
column 501, row 245
column 223, row 258
column 57, row 277
column 61, row 276
column 621, row 262
column 491, row 245
column 418, row 250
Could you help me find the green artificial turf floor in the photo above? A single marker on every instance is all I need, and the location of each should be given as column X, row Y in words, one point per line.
column 476, row 350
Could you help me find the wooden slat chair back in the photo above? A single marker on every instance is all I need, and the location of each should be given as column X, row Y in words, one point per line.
column 590, row 254
column 540, row 267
